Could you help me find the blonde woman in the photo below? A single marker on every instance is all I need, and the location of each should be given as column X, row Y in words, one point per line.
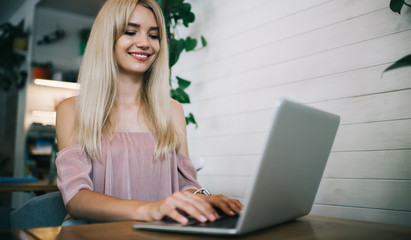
column 122, row 142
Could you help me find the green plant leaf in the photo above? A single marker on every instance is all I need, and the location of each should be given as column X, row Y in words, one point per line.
column 396, row 5
column 176, row 48
column 182, row 83
column 185, row 7
column 179, row 95
column 175, row 3
column 203, row 41
column 188, row 18
column 190, row 119
column 403, row 62
column 190, row 44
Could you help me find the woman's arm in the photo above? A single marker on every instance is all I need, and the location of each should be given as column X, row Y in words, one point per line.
column 65, row 120
column 180, row 121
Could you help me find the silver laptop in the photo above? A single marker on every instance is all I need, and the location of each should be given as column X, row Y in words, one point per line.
column 286, row 180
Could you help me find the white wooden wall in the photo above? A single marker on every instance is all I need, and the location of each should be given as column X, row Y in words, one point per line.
column 329, row 54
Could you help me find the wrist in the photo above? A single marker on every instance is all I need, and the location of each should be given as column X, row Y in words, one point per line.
column 144, row 211
column 203, row 191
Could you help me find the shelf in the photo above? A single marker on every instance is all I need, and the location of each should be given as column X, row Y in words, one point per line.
column 57, row 84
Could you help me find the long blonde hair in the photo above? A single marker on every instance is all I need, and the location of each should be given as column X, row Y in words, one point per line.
column 98, row 73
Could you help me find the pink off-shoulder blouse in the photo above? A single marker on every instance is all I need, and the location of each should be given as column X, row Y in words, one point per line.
column 126, row 170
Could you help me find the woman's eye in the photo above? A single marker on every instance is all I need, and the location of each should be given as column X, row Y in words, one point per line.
column 154, row 36
column 129, row 33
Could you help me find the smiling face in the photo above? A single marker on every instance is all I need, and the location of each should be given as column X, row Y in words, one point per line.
column 137, row 48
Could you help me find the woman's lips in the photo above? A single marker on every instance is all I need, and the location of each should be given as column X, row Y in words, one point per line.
column 140, row 56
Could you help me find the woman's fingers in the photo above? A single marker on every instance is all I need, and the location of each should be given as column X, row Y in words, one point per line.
column 202, row 205
column 227, row 205
column 174, row 214
column 192, row 205
column 180, row 204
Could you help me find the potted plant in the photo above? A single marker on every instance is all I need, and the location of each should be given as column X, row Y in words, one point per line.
column 13, row 41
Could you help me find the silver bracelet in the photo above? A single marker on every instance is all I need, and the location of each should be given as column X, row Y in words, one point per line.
column 203, row 191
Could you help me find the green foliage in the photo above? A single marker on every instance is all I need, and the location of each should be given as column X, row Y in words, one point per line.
column 403, row 62
column 177, row 12
column 178, row 93
column 10, row 60
column 396, row 6
column 191, row 119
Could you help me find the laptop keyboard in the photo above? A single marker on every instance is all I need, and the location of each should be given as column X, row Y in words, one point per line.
column 223, row 222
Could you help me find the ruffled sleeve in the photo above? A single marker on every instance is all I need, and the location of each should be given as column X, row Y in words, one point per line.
column 187, row 175
column 73, row 172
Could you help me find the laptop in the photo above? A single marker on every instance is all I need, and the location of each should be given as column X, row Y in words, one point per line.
column 286, row 179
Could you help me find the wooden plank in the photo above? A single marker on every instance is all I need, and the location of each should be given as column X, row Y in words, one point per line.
column 374, row 136
column 356, row 56
column 233, row 186
column 264, row 98
column 230, row 166
column 243, row 123
column 220, row 26
column 380, row 194
column 359, row 165
column 348, row 84
column 358, row 137
column 363, row 214
column 380, row 107
column 244, row 144
column 306, row 42
column 369, row 108
column 219, row 11
column 315, row 16
column 374, row 165
column 38, row 186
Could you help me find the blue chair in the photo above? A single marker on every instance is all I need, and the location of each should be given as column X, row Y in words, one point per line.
column 41, row 211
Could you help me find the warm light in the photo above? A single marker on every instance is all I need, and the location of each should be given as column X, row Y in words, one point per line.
column 59, row 84
column 44, row 114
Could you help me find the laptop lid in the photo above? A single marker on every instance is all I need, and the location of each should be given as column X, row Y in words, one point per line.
column 289, row 172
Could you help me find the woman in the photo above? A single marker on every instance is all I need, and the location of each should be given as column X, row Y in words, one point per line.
column 123, row 149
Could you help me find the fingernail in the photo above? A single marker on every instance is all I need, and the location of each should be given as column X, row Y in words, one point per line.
column 203, row 218
column 212, row 217
column 184, row 220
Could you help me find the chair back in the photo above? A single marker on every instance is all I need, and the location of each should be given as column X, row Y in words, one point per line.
column 42, row 211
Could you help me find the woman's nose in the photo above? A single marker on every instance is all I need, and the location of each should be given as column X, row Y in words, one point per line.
column 142, row 42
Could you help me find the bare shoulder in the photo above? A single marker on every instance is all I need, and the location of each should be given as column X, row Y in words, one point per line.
column 65, row 123
column 176, row 106
column 66, row 110
column 178, row 113
column 67, row 104
column 180, row 121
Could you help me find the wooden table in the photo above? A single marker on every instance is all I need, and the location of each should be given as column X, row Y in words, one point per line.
column 37, row 187
column 310, row 227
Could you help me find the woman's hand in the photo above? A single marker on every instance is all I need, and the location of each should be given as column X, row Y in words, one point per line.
column 175, row 205
column 199, row 206
column 229, row 206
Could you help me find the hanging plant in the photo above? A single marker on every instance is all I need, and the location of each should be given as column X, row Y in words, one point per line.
column 178, row 13
column 396, row 6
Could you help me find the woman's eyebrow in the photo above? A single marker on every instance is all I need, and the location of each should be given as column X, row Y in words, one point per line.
column 136, row 25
